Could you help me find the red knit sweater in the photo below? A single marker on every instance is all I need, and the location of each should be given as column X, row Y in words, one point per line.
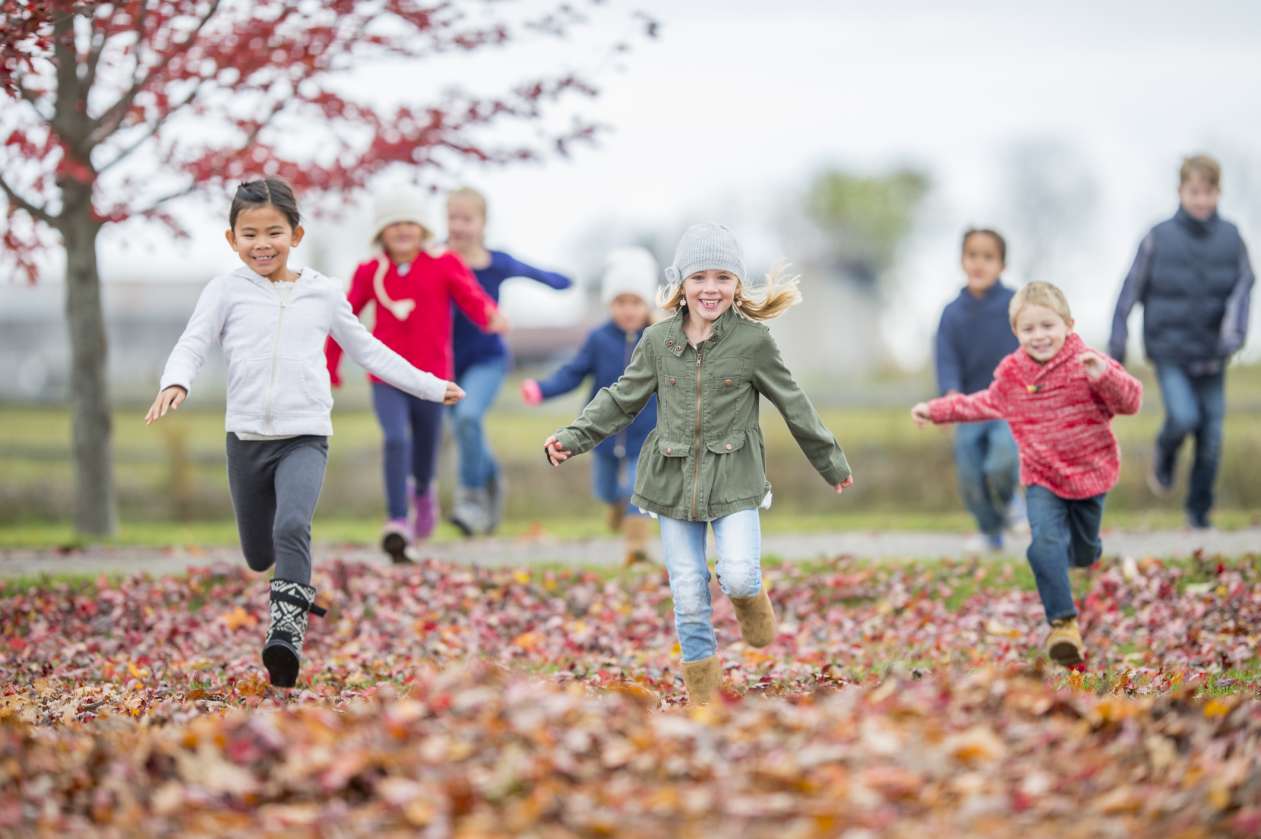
column 413, row 311
column 1060, row 418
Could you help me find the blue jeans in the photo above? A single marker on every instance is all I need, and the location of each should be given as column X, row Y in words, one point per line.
column 1193, row 405
column 613, row 480
column 988, row 466
column 1065, row 533
column 739, row 540
column 481, row 384
column 413, row 429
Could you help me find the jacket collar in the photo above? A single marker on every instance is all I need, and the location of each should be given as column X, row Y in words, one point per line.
column 1031, row 370
column 259, row 280
column 676, row 340
column 1196, row 226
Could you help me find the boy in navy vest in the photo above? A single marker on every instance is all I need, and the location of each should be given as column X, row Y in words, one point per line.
column 973, row 336
column 1193, row 278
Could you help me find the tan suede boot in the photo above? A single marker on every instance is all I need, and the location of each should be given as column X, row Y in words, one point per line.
column 703, row 678
column 756, row 617
column 1063, row 643
column 635, row 530
column 617, row 512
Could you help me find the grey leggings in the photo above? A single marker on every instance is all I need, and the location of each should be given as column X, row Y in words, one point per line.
column 275, row 485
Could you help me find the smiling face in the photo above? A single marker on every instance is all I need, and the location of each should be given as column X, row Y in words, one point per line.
column 982, row 262
column 629, row 312
column 403, row 240
column 1041, row 331
column 262, row 238
column 1199, row 197
column 710, row 293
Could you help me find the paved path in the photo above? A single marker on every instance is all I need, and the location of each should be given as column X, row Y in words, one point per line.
column 514, row 552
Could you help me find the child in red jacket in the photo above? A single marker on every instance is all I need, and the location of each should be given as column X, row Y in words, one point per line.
column 1059, row 397
column 413, row 291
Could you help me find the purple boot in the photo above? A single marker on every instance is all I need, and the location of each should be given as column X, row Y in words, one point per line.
column 425, row 513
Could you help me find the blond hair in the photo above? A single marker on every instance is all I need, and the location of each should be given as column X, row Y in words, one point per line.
column 1040, row 294
column 780, row 294
column 473, row 195
column 1203, row 166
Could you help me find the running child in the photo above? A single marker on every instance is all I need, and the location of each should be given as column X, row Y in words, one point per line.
column 629, row 290
column 271, row 322
column 703, row 465
column 1059, row 397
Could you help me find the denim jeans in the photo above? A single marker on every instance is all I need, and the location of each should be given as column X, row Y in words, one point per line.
column 613, row 480
column 1065, row 533
column 481, row 384
column 413, row 429
column 988, row 466
column 739, row 541
column 1193, row 405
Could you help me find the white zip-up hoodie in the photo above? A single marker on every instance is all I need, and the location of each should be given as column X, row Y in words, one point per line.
column 278, row 381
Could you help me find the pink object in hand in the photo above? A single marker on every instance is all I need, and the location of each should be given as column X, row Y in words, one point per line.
column 531, row 392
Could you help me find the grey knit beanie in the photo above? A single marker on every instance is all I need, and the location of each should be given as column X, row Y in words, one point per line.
column 706, row 247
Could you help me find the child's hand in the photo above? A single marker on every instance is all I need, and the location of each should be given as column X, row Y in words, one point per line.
column 531, row 393
column 921, row 414
column 845, row 484
column 498, row 323
column 168, row 399
column 1094, row 364
column 454, row 394
column 556, row 453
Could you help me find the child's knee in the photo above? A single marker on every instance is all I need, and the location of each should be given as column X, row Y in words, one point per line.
column 741, row 581
column 291, row 528
column 260, row 559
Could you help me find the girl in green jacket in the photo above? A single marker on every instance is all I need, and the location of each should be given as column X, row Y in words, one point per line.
column 704, row 464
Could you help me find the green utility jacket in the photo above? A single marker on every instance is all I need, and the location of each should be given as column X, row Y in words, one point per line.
column 706, row 458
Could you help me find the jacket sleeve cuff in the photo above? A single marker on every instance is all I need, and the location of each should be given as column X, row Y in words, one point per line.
column 838, row 470
column 573, row 442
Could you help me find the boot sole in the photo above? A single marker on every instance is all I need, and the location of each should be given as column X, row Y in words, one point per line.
column 1065, row 654
column 282, row 666
column 396, row 546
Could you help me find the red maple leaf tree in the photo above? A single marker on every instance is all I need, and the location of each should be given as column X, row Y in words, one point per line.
column 116, row 110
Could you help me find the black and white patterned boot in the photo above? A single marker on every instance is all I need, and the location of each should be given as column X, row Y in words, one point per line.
column 291, row 603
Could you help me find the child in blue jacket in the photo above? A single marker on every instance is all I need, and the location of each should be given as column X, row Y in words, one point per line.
column 629, row 290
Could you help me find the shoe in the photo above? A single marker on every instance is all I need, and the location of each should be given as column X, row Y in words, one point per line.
column 756, row 617
column 636, row 533
column 394, row 541
column 425, row 513
column 471, row 510
column 616, row 515
column 703, row 679
column 980, row 543
column 291, row 603
column 1159, row 481
column 1199, row 521
column 1063, row 643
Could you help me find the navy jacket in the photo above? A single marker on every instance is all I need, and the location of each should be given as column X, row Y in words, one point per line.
column 1194, row 281
column 472, row 345
column 604, row 356
column 973, row 336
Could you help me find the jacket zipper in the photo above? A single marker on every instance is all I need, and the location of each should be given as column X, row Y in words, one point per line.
column 696, row 440
column 275, row 363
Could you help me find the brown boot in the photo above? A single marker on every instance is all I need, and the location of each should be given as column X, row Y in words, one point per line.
column 617, row 512
column 1063, row 643
column 636, row 530
column 756, row 617
column 703, row 678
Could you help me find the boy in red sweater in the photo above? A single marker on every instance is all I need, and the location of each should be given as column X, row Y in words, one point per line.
column 1059, row 397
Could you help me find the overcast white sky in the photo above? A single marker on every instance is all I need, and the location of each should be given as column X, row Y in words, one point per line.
column 739, row 101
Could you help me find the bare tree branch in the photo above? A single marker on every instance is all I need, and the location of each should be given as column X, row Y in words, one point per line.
column 30, row 209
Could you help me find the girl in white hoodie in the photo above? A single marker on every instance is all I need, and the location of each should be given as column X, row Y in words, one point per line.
column 272, row 323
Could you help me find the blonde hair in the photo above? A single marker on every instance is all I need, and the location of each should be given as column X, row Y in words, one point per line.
column 473, row 195
column 780, row 294
column 1203, row 166
column 1040, row 294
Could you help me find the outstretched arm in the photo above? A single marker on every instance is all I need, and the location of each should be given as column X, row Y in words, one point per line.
column 614, row 407
column 972, row 407
column 572, row 373
column 358, row 296
column 1132, row 291
column 517, row 268
column 380, row 360
column 1235, row 321
column 202, row 332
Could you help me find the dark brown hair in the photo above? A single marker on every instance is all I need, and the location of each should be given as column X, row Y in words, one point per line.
column 993, row 234
column 1203, row 166
column 262, row 193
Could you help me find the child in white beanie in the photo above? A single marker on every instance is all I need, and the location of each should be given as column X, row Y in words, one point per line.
column 629, row 289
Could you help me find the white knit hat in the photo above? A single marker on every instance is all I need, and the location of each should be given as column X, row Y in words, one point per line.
column 400, row 204
column 630, row 270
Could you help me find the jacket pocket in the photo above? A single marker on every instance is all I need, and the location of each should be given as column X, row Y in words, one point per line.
column 661, row 474
column 671, row 449
column 738, row 469
column 247, row 385
column 292, row 390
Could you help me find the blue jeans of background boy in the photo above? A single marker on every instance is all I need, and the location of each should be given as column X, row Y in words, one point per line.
column 1194, row 405
column 988, row 466
column 1065, row 534
column 481, row 384
column 413, row 430
column 275, row 485
column 738, row 538
column 613, row 479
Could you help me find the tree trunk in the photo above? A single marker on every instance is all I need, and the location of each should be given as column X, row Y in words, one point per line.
column 94, row 508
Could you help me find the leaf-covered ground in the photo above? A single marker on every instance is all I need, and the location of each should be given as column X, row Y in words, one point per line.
column 899, row 699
